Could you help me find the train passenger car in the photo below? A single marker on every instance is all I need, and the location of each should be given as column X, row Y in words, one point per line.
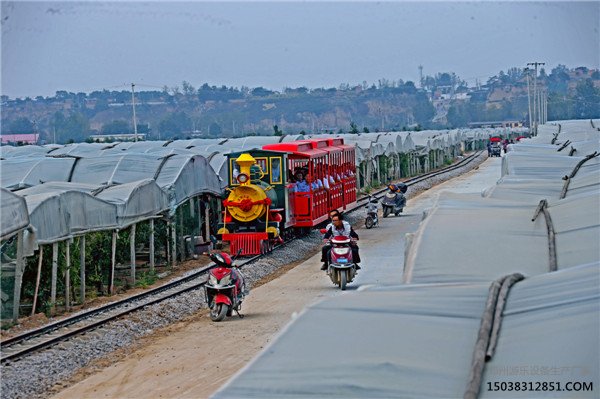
column 266, row 204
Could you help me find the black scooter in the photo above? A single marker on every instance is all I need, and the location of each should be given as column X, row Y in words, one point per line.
column 394, row 200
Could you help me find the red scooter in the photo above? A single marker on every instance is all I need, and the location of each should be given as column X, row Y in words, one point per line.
column 225, row 289
column 342, row 268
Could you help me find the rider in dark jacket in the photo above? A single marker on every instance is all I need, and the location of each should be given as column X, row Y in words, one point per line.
column 339, row 227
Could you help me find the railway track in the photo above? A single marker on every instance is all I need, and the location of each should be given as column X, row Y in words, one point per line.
column 12, row 349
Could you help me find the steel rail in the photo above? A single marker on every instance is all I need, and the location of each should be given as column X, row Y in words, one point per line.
column 45, row 331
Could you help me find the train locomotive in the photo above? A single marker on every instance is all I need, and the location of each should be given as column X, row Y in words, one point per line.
column 283, row 190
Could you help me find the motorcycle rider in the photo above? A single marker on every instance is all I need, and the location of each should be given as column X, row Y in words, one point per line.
column 339, row 227
column 327, row 246
column 400, row 200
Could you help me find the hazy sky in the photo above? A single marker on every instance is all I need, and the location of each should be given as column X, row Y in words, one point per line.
column 87, row 46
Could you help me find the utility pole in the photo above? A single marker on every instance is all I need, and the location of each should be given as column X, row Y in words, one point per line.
column 421, row 76
column 527, row 71
column 535, row 115
column 133, row 105
column 545, row 105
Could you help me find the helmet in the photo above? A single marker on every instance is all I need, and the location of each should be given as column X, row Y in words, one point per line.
column 402, row 187
column 222, row 259
column 393, row 188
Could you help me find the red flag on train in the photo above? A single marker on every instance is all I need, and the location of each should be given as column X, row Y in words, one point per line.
column 495, row 139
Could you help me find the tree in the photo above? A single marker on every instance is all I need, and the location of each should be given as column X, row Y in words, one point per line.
column 143, row 128
column 76, row 127
column 587, row 98
column 457, row 115
column 175, row 124
column 365, row 129
column 353, row 128
column 215, row 129
column 21, row 125
column 277, row 132
column 116, row 127
column 188, row 89
column 261, row 92
column 423, row 110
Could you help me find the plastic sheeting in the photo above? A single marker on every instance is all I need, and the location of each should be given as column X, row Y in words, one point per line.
column 81, row 149
column 550, row 333
column 23, row 172
column 417, row 341
column 7, row 151
column 186, row 176
column 496, row 238
column 136, row 201
column 14, row 216
column 116, row 169
column 57, row 215
column 541, row 166
column 386, row 343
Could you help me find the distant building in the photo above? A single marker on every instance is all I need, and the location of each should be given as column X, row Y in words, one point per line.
column 19, row 138
column 491, row 124
column 101, row 138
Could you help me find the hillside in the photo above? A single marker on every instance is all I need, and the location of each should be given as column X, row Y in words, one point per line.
column 442, row 101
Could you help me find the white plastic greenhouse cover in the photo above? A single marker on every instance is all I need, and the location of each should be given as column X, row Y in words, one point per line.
column 541, row 166
column 13, row 214
column 251, row 142
column 116, row 169
column 292, row 137
column 136, row 201
column 80, row 149
column 219, row 164
column 184, row 176
column 416, row 341
column 23, row 172
column 57, row 215
column 7, row 151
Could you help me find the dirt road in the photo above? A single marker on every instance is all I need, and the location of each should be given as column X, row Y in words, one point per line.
column 192, row 359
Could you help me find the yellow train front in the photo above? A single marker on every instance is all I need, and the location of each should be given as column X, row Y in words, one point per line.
column 265, row 206
column 253, row 216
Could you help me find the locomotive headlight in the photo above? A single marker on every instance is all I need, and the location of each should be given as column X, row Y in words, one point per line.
column 242, row 178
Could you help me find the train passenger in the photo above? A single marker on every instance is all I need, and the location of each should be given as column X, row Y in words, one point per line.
column 301, row 185
column 319, row 183
column 339, row 227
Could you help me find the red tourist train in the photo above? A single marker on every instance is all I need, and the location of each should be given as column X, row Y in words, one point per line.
column 285, row 189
